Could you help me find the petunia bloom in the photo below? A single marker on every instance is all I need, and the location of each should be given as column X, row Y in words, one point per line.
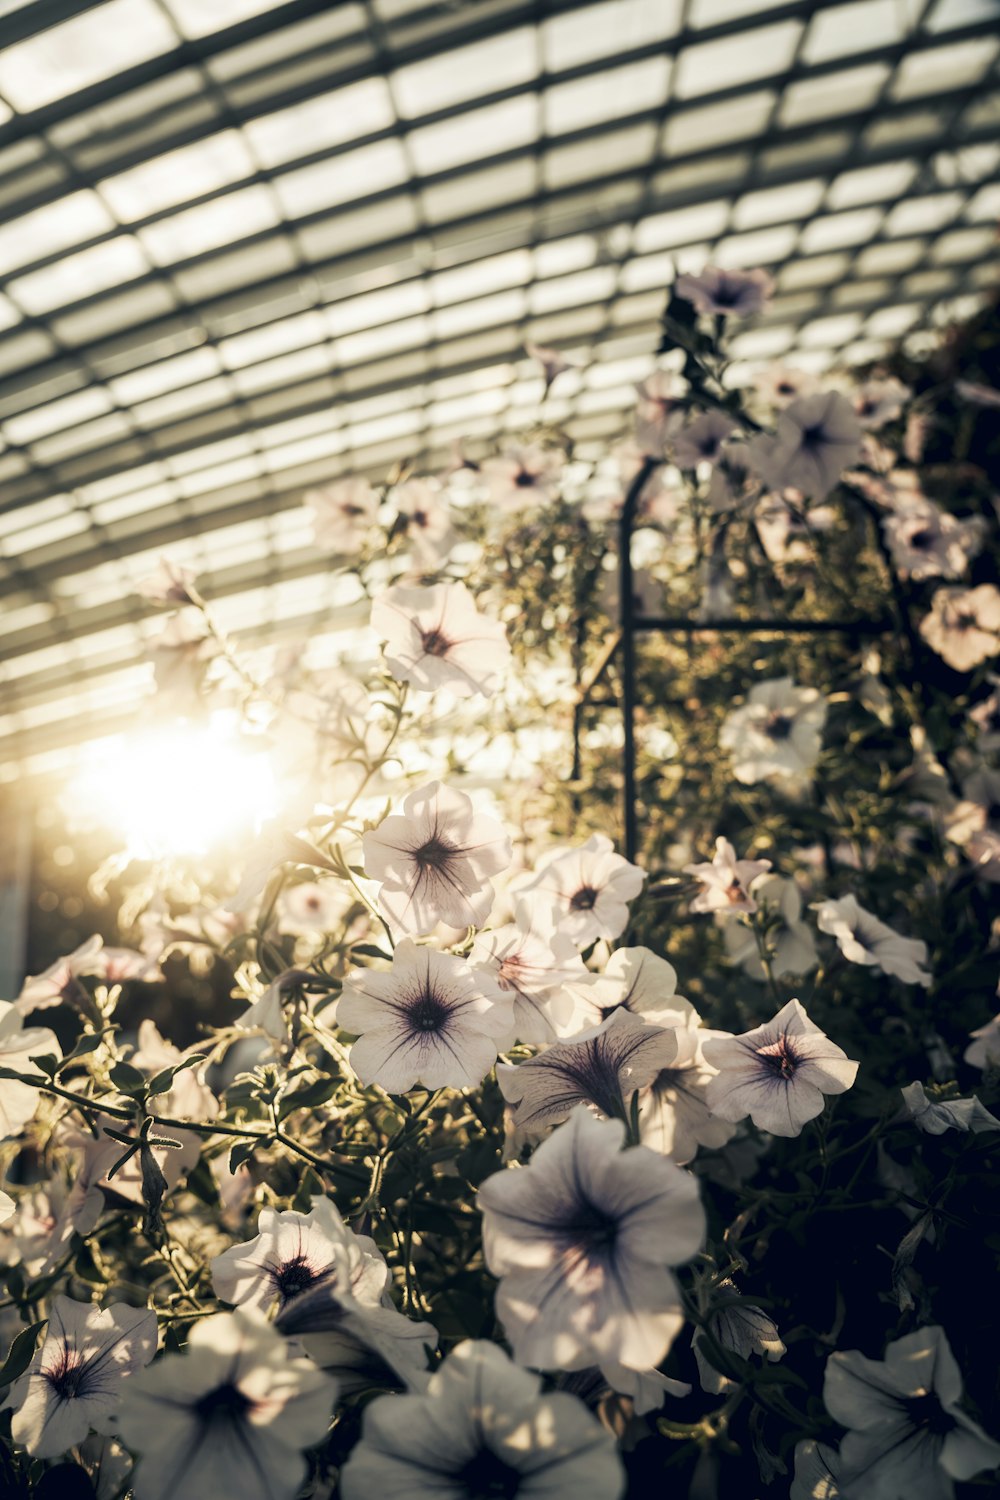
column 637, row 980
column 522, row 476
column 907, row 1438
column 674, row 1116
column 778, row 1073
column 430, row 1019
column 484, row 1427
column 793, row 947
column 700, row 440
column 534, row 963
column 963, row 626
column 295, row 1252
column 863, row 939
column 75, row 1381
column 879, row 401
column 721, row 292
column 18, row 1101
column 817, row 438
column 589, row 888
column 777, row 732
column 342, row 513
column 726, row 881
column 740, row 1328
column 435, row 860
column 231, row 1415
column 984, row 1049
column 582, row 1239
column 436, row 638
column 58, row 984
column 927, row 542
column 935, row 1116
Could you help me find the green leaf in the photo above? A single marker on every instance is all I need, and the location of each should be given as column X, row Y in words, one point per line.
column 46, row 1063
column 162, row 1081
column 128, row 1080
column 369, row 950
column 241, row 1153
column 307, row 1097
column 21, row 1353
column 89, row 1042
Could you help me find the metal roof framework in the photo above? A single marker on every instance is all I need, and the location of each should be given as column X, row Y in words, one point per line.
column 246, row 247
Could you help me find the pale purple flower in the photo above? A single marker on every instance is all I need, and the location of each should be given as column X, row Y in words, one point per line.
column 522, row 476
column 777, row 1073
column 295, row 1252
column 907, row 1437
column 430, row 1019
column 935, row 1116
column 601, row 1067
column 974, row 822
column 313, row 906
column 75, row 1381
column 589, row 888
column 361, row 1343
column 817, row 1468
column 780, row 385
column 436, row 638
column 963, row 626
column 777, row 732
column 674, row 1116
column 534, row 963
column 720, row 292
column 733, row 481
column 343, row 514
column 169, row 583
column 18, row 1101
column 700, row 440
column 880, row 400
column 984, row 1049
column 927, row 542
column 425, row 516
column 231, row 1415
column 582, row 1239
column 484, row 1427
column 658, row 415
column 434, row 861
column 181, row 655
column 863, row 939
column 57, row 985
column 817, row 438
column 639, row 981
column 742, row 1329
column 726, row 881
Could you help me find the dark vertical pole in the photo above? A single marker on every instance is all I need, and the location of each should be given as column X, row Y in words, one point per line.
column 626, row 612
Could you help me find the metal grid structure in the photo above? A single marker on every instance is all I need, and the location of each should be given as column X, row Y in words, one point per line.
column 247, row 247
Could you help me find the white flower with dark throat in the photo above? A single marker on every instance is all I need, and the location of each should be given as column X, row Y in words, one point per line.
column 720, row 292
column 582, row 1239
column 636, row 980
column 790, row 940
column 58, row 984
column 984, row 1049
column 963, row 626
column 817, row 438
column 522, row 476
column 674, row 1117
column 778, row 1073
column 726, row 881
column 777, row 732
column 484, row 1429
column 295, row 1252
column 431, row 1019
column 343, row 514
column 75, row 1381
column 781, row 384
column 18, row 1101
column 436, row 638
column 231, row 1415
column 589, row 889
column 907, row 1438
column 880, row 401
column 935, row 1116
column 534, row 963
column 700, row 440
column 740, row 1328
column 424, row 514
column 435, row 861
column 602, row 1068
column 927, row 542
column 863, row 939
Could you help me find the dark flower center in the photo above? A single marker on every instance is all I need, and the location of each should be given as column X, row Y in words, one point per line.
column 592, row 1228
column 927, row 1414
column 435, row 643
column 65, row 1377
column 226, row 1404
column 427, row 1013
column 585, row 899
column 524, row 479
column 434, row 855
column 993, row 812
column 293, row 1276
column 353, row 510
column 726, row 294
column 922, row 539
column 419, row 518
column 778, row 726
column 779, row 1058
column 964, row 621
column 785, row 388
column 813, row 437
column 487, row 1477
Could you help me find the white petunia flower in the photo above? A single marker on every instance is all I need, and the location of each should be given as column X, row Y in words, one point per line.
column 484, row 1428
column 636, row 980
column 780, row 385
column 791, row 940
column 362, row 1344
column 589, row 888
column 534, row 963
column 313, row 906
column 777, row 732
column 231, row 1415
column 75, row 1381
column 722, row 292
column 8, row 1207
column 674, row 1117
column 817, row 1470
column 733, row 480
column 431, row 1019
column 18, row 1101
column 343, row 514
column 553, row 363
column 935, row 1116
column 435, row 861
column 927, row 542
column 984, row 1049
column 907, row 1437
column 425, row 516
column 880, row 401
column 700, row 440
column 863, row 939
column 726, row 881
column 294, row 1252
column 436, row 638
column 817, row 438
column 986, row 717
column 658, row 415
column 58, row 984
column 581, row 1240
column 963, row 626
column 778, row 1073
column 601, row 1067
column 974, row 822
column 522, row 476
column 740, row 1328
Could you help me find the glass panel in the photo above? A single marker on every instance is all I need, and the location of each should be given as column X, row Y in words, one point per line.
column 582, row 36
column 618, row 91
column 87, row 49
column 861, row 27
column 343, row 178
column 464, row 72
column 187, row 234
column 481, row 133
column 80, row 275
column 330, row 120
column 179, row 176
column 739, row 59
column 57, row 226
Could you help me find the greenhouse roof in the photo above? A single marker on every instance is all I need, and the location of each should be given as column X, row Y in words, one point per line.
column 248, row 247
